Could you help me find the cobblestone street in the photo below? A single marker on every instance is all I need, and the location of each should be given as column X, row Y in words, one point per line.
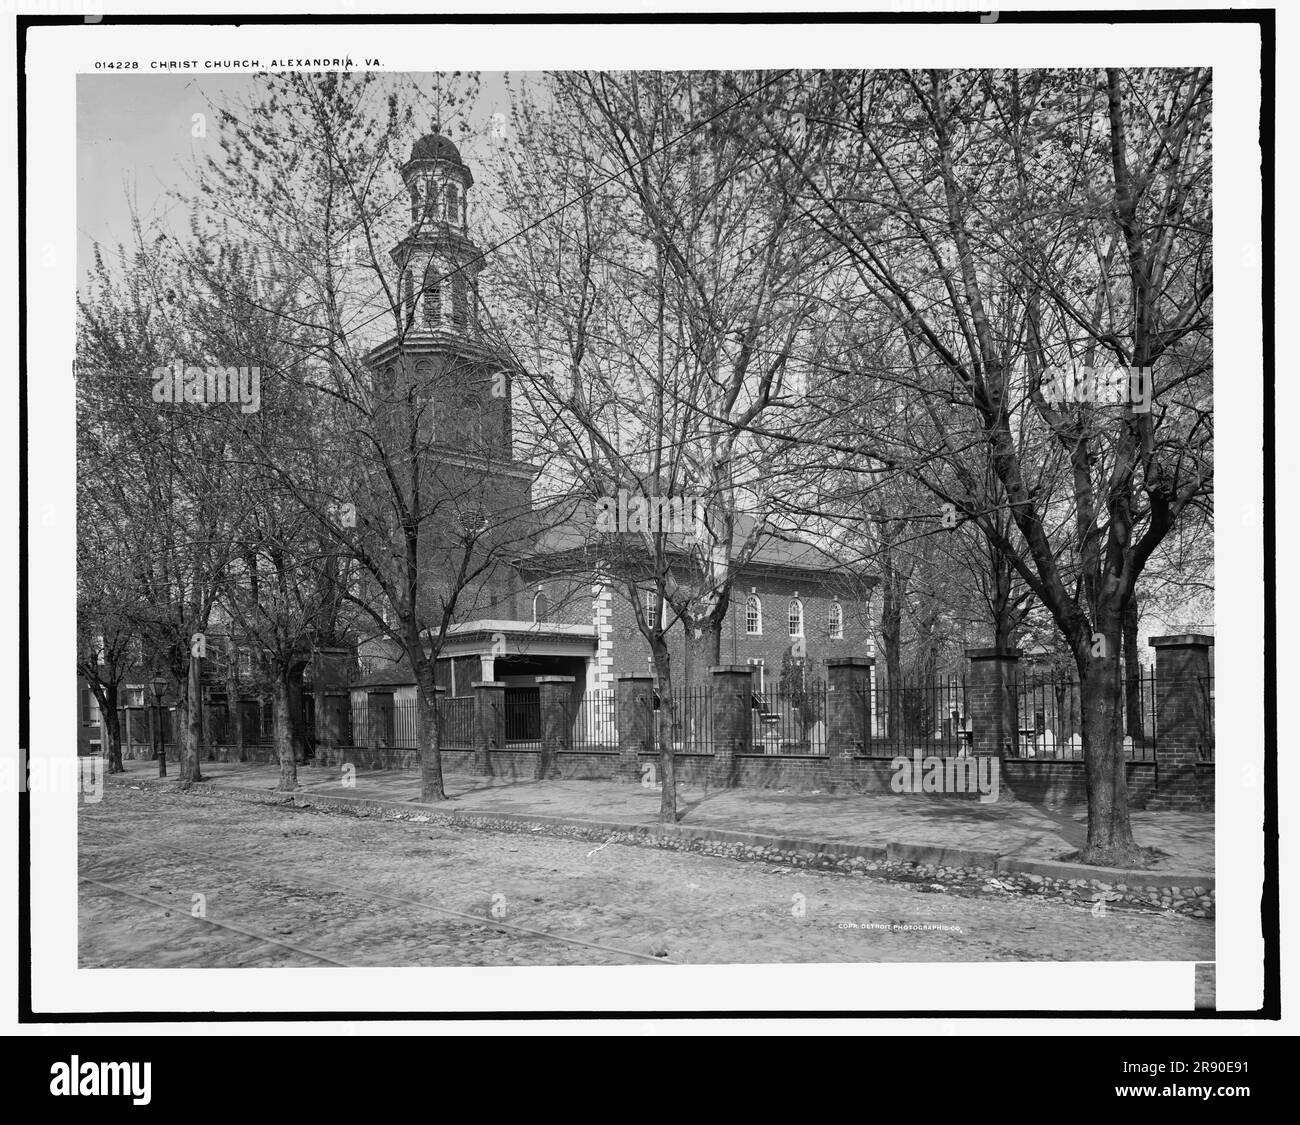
column 285, row 886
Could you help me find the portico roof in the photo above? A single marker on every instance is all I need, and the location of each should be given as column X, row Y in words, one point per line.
column 504, row 637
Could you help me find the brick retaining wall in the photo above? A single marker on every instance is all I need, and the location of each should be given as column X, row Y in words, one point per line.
column 1064, row 783
column 1205, row 782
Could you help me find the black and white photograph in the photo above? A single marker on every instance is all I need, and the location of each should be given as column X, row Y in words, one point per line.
column 655, row 512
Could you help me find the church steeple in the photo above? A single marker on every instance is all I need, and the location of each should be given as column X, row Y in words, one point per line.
column 440, row 262
column 441, row 377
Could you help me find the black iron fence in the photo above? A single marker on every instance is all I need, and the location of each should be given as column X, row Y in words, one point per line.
column 691, row 720
column 930, row 715
column 523, row 717
column 1043, row 719
column 1206, row 686
column 1049, row 716
column 138, row 724
column 790, row 721
column 592, row 724
column 458, row 722
column 396, row 726
column 258, row 724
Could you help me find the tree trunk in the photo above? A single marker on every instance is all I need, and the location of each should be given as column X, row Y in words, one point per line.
column 429, row 737
column 113, row 744
column 1132, row 675
column 1110, row 832
column 1065, row 691
column 929, row 693
column 893, row 589
column 282, row 732
column 1000, row 602
column 667, row 723
column 893, row 694
column 113, row 728
column 297, row 727
column 205, row 719
column 703, row 651
column 192, row 744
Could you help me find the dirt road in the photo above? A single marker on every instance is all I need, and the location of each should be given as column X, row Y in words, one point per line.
column 200, row 881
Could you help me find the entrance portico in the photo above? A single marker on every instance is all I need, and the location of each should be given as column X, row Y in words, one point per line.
column 517, row 652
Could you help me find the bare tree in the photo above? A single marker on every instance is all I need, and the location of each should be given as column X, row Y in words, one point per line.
column 1013, row 227
column 422, row 485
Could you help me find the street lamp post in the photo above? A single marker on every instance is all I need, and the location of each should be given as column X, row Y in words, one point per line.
column 159, row 686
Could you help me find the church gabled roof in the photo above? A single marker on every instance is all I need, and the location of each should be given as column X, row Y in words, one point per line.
column 573, row 540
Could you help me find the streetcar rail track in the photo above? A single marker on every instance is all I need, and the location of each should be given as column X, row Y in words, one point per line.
column 320, row 881
column 169, row 907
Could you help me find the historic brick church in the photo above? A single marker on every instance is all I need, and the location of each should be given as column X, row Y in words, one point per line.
column 551, row 611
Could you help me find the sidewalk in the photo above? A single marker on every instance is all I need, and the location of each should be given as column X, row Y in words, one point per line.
column 1008, row 828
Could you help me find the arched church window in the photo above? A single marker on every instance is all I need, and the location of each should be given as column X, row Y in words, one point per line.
column 541, row 606
column 835, row 622
column 796, row 617
column 453, row 204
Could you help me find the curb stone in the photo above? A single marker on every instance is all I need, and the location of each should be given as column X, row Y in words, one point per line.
column 1181, row 893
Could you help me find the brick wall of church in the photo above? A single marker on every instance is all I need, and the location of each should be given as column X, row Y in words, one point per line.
column 623, row 650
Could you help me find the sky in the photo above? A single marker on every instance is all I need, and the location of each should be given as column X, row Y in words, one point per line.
column 135, row 141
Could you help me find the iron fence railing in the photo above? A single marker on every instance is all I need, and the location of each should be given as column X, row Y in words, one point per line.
column 458, row 722
column 523, row 715
column 1205, row 751
column 790, row 721
column 930, row 715
column 1042, row 719
column 257, row 722
column 137, row 725
column 379, row 724
column 1049, row 716
column 592, row 722
column 691, row 720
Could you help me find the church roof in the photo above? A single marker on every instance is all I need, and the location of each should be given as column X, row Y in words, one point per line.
column 434, row 146
column 573, row 539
